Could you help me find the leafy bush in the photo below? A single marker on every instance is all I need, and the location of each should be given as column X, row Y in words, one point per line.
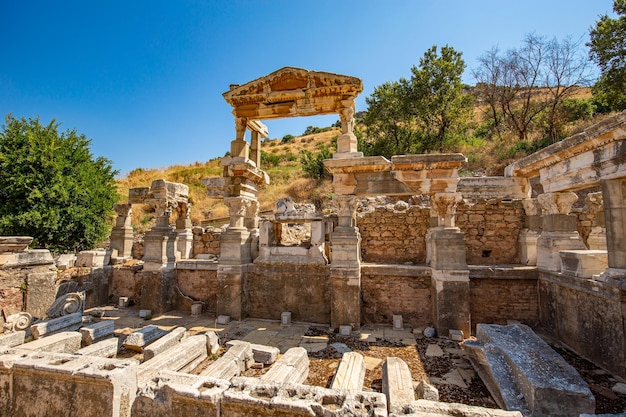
column 287, row 139
column 313, row 163
column 268, row 159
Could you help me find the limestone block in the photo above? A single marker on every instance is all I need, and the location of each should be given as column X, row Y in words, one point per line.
column 92, row 258
column 293, row 366
column 173, row 359
column 583, row 263
column 9, row 340
column 64, row 342
column 513, row 359
column 65, row 261
column 212, row 342
column 29, row 258
column 350, row 373
column 236, row 360
column 164, row 343
column 41, row 292
column 550, row 244
column 97, row 331
column 137, row 340
column 398, row 323
column 14, row 243
column 253, row 397
column 179, row 394
column 106, row 348
column 77, row 386
column 456, row 335
column 425, row 407
column 65, row 323
column 397, row 384
column 262, row 354
column 425, row 391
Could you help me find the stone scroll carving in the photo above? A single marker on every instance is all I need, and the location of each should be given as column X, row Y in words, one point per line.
column 70, row 303
column 18, row 321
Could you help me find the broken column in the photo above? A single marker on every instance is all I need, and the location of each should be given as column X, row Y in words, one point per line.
column 184, row 235
column 559, row 229
column 345, row 266
column 450, row 275
column 614, row 197
column 122, row 233
column 530, row 233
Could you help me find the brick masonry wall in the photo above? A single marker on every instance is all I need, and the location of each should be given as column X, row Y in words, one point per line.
column 393, row 289
column 491, row 231
column 393, row 236
column 206, row 241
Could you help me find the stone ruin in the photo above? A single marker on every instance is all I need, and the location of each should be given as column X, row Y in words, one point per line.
column 409, row 239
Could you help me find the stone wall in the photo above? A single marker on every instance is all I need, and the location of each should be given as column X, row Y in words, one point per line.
column 206, row 241
column 126, row 282
column 501, row 294
column 303, row 289
column 197, row 285
column 396, row 289
column 491, row 231
column 95, row 282
column 394, row 234
column 586, row 315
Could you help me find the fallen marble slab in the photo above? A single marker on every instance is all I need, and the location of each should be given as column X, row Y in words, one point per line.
column 137, row 340
column 65, row 323
column 64, row 342
column 161, row 345
column 12, row 339
column 190, row 350
column 397, row 384
column 292, row 367
column 232, row 363
column 97, row 331
column 523, row 373
column 106, row 348
column 262, row 354
column 350, row 373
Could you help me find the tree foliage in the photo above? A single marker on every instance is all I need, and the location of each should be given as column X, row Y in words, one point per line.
column 313, row 163
column 425, row 113
column 524, row 88
column 608, row 50
column 52, row 188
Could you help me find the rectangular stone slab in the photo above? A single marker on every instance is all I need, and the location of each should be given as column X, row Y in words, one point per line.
column 174, row 358
column 9, row 340
column 397, row 384
column 64, row 342
column 164, row 343
column 106, row 348
column 515, row 354
column 293, row 366
column 231, row 363
column 350, row 373
column 263, row 354
column 69, row 322
column 137, row 340
column 96, row 331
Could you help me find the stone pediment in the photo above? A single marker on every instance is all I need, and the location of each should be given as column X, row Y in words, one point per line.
column 292, row 92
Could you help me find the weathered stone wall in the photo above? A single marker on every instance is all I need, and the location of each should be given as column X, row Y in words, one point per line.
column 491, row 231
column 126, row 282
column 95, row 282
column 303, row 289
column 501, row 294
column 206, row 241
column 586, row 315
column 396, row 289
column 197, row 285
column 393, row 236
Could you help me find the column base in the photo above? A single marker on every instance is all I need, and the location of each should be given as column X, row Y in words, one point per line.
column 550, row 243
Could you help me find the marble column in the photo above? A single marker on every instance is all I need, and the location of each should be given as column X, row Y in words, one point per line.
column 529, row 235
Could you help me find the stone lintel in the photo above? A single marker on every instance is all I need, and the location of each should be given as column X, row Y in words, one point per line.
column 501, row 188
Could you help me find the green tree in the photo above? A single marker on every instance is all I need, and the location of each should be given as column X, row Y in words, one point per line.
column 52, row 188
column 426, row 113
column 313, row 163
column 608, row 50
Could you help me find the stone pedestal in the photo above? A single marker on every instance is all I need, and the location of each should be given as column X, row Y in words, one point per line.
column 345, row 277
column 528, row 246
column 230, row 285
column 157, row 293
column 235, row 247
column 159, row 249
column 184, row 243
column 559, row 233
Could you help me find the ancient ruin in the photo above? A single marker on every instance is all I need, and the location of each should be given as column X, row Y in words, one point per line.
column 411, row 244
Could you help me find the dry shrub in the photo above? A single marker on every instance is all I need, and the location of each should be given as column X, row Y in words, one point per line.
column 300, row 189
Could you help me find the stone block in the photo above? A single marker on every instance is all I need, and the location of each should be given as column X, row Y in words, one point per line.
column 63, row 323
column 63, row 342
column 345, row 330
column 236, row 360
column 137, row 340
column 196, row 309
column 9, row 340
column 65, row 261
column 261, row 353
column 425, row 391
column 164, row 343
column 426, row 407
column 145, row 313
column 14, row 243
column 123, row 302
column 292, row 367
column 456, row 335
column 223, row 319
column 173, row 359
column 285, row 318
column 106, row 348
column 41, row 292
column 97, row 331
column 583, row 263
column 92, row 258
column 513, row 359
column 398, row 323
column 23, row 259
column 253, row 397
column 70, row 385
column 350, row 373
column 397, row 384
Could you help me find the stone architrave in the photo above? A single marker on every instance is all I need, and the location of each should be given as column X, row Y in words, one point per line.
column 559, row 230
column 122, row 233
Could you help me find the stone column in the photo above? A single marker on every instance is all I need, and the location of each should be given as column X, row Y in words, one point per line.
column 345, row 265
column 450, row 275
column 184, row 243
column 255, row 148
column 160, row 241
column 122, row 233
column 347, row 142
column 251, row 222
column 595, row 207
column 559, row 229
column 530, row 233
column 614, row 196
column 239, row 147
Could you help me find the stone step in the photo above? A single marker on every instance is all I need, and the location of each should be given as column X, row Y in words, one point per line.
column 350, row 373
column 64, row 342
column 173, row 359
column 161, row 345
column 97, row 331
column 138, row 340
column 397, row 384
column 106, row 348
column 232, row 363
column 65, row 323
column 293, row 366
column 513, row 359
column 262, row 354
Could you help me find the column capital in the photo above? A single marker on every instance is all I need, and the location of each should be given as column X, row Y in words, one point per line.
column 443, row 206
column 557, row 203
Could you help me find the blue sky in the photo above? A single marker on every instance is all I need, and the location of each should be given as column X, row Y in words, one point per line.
column 144, row 78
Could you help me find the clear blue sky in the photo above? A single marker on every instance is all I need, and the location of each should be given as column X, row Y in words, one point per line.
column 144, row 78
